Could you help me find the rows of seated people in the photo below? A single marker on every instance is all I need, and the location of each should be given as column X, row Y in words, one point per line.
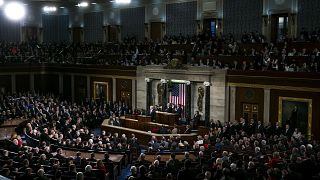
column 236, row 152
column 38, row 163
column 244, row 150
column 53, row 110
column 204, row 50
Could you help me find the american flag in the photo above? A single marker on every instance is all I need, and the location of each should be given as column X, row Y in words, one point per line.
column 178, row 94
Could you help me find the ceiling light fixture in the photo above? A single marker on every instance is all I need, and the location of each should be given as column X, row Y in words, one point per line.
column 123, row 1
column 83, row 4
column 48, row 9
column 15, row 11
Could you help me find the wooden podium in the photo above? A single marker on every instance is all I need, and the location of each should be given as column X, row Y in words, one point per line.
column 144, row 119
column 167, row 118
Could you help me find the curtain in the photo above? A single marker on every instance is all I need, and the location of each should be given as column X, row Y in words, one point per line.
column 132, row 22
column 241, row 16
column 55, row 28
column 9, row 30
column 93, row 27
column 181, row 18
column 308, row 15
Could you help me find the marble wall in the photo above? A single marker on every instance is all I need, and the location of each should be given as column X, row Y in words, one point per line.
column 196, row 75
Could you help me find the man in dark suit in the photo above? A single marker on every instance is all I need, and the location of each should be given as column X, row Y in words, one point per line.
column 152, row 114
column 196, row 119
column 88, row 172
column 287, row 131
column 243, row 125
column 186, row 172
column 179, row 110
column 259, row 128
column 277, row 129
column 169, row 108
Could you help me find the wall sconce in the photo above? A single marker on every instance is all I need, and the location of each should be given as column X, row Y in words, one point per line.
column 206, row 83
column 147, row 80
column 163, row 81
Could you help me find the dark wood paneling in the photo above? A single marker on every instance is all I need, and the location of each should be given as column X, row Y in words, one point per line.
column 124, row 85
column 250, row 96
column 46, row 83
column 274, row 106
column 67, row 87
column 68, row 68
column 5, row 83
column 77, row 34
column 80, row 88
column 156, row 31
column 22, row 82
column 295, row 79
column 102, row 79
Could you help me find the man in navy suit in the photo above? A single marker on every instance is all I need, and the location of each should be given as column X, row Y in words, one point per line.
column 152, row 113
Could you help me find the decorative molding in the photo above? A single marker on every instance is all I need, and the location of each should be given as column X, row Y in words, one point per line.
column 175, row 64
column 262, row 86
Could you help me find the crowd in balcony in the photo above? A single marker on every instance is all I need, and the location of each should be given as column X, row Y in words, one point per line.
column 247, row 149
column 200, row 50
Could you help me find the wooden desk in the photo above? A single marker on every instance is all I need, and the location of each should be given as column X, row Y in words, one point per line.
column 143, row 118
column 146, row 126
column 166, row 157
column 167, row 118
column 12, row 122
column 143, row 136
column 116, row 158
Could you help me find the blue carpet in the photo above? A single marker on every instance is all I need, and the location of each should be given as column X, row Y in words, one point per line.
column 124, row 173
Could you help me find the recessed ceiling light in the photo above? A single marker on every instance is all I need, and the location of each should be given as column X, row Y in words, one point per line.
column 61, row 7
column 93, row 3
column 49, row 9
column 83, row 4
column 123, row 1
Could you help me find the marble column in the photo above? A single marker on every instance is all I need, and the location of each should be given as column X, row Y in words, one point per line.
column 88, row 87
column 13, row 83
column 114, row 89
column 188, row 101
column 164, row 96
column 32, row 82
column 207, row 105
column 266, row 106
column 72, row 88
column 232, row 104
column 60, row 83
column 149, row 93
column 134, row 94
column 227, row 104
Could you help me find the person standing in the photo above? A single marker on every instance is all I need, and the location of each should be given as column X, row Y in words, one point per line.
column 196, row 119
